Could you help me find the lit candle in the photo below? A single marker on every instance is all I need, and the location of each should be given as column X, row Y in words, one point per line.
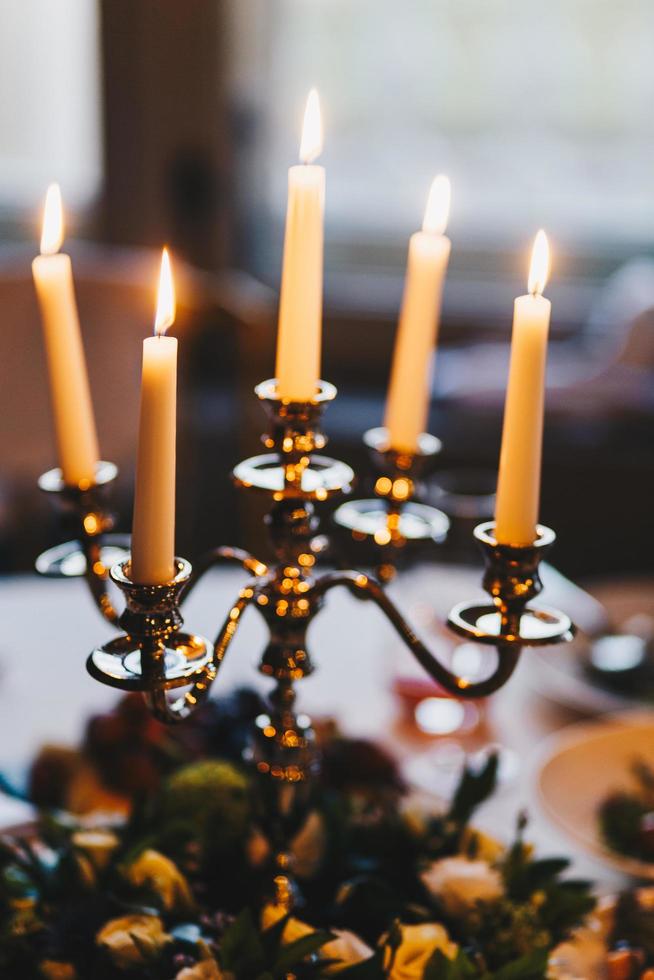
column 69, row 384
column 300, row 302
column 409, row 391
column 518, row 486
column 153, row 528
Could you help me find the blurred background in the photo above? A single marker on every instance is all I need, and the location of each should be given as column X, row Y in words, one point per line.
column 176, row 123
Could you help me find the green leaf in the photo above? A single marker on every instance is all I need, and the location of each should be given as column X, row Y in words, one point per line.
column 533, row 966
column 293, row 953
column 473, row 789
column 566, row 905
column 15, row 882
column 241, row 951
column 271, row 938
column 441, row 967
column 524, row 876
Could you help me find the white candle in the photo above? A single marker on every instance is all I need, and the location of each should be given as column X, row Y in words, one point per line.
column 69, row 384
column 518, row 486
column 300, row 302
column 153, row 528
column 409, row 391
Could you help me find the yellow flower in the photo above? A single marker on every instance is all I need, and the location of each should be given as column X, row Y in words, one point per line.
column 486, row 848
column 418, row 945
column 158, row 873
column 294, row 928
column 132, row 939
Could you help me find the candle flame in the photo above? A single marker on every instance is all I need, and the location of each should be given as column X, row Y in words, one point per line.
column 165, row 316
column 52, row 234
column 539, row 269
column 311, row 142
column 438, row 206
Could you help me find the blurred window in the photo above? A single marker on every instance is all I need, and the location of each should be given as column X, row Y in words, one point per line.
column 540, row 112
column 50, row 108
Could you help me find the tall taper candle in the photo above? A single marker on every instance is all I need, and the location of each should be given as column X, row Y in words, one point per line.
column 300, row 304
column 153, row 528
column 407, row 405
column 518, row 485
column 69, row 384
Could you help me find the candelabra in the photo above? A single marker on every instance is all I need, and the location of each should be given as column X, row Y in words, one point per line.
column 174, row 670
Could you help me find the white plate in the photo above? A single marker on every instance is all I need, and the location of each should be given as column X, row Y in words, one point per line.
column 582, row 765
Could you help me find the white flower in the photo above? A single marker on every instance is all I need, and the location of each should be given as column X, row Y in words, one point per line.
column 347, row 947
column 158, row 873
column 131, row 939
column 418, row 945
column 205, row 970
column 459, row 883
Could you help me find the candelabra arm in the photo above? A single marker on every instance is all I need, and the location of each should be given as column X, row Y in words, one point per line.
column 231, row 624
column 363, row 587
column 225, row 554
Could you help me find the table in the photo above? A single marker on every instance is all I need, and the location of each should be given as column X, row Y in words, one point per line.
column 50, row 626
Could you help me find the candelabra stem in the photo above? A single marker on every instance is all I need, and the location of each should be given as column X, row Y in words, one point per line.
column 97, row 579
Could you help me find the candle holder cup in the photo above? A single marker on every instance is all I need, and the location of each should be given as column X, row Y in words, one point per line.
column 156, row 658
column 511, row 579
column 394, row 521
column 85, row 515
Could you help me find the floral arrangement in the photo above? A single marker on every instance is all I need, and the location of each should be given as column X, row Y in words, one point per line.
column 175, row 883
